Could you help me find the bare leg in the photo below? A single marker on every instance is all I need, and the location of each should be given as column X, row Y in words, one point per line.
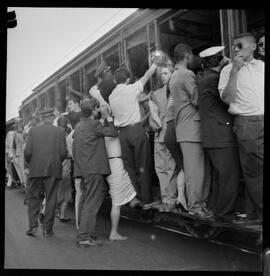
column 181, row 189
column 77, row 199
column 63, row 209
column 115, row 214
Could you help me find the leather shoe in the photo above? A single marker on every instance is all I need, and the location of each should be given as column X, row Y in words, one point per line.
column 47, row 233
column 150, row 205
column 95, row 240
column 64, row 220
column 85, row 243
column 41, row 218
column 31, row 231
column 180, row 207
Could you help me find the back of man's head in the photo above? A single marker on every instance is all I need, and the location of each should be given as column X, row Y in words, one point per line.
column 87, row 106
column 181, row 50
column 121, row 75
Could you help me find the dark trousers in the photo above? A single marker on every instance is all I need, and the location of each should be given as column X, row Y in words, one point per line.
column 36, row 186
column 249, row 131
column 93, row 191
column 226, row 165
column 172, row 145
column 136, row 158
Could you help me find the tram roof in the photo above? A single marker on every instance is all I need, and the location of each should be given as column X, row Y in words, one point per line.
column 135, row 16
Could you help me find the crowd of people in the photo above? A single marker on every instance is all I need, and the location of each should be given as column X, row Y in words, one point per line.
column 208, row 133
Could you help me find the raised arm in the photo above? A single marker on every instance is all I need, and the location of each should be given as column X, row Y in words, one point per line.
column 148, row 74
column 228, row 94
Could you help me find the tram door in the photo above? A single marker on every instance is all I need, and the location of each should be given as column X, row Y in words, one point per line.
column 198, row 28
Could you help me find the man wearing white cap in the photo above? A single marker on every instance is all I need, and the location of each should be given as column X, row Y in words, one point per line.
column 218, row 138
column 241, row 85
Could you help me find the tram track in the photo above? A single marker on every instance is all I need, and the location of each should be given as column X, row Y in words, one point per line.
column 214, row 241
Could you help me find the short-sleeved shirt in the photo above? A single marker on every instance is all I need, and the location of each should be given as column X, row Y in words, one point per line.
column 249, row 98
column 125, row 105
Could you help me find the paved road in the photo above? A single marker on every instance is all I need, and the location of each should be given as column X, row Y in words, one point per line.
column 148, row 248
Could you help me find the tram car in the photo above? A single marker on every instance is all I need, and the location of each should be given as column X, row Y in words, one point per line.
column 129, row 44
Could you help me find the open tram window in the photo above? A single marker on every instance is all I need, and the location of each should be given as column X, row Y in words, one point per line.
column 198, row 28
column 112, row 59
column 138, row 62
column 62, row 96
column 51, row 97
column 91, row 80
column 75, row 81
column 255, row 22
column 43, row 101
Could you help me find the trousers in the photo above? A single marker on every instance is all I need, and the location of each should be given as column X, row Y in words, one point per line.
column 226, row 164
column 194, row 165
column 93, row 191
column 36, row 186
column 136, row 158
column 166, row 171
column 249, row 131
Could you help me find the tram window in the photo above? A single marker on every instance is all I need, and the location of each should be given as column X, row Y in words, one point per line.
column 51, row 98
column 198, row 28
column 138, row 62
column 91, row 80
column 112, row 60
column 255, row 22
column 75, row 81
column 42, row 101
column 62, row 96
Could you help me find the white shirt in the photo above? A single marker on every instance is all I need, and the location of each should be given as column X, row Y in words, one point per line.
column 95, row 93
column 249, row 98
column 125, row 105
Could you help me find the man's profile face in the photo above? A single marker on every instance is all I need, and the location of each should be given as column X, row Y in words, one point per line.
column 189, row 59
column 243, row 47
column 71, row 105
column 261, row 46
column 165, row 75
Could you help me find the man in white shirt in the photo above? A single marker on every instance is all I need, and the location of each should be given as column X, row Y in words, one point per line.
column 135, row 146
column 241, row 85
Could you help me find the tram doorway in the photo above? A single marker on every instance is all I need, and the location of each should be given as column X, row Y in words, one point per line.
column 198, row 28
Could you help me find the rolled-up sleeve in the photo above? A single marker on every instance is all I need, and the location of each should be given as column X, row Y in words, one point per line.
column 224, row 79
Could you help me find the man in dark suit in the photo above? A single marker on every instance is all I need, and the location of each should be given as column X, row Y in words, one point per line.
column 217, row 134
column 44, row 152
column 91, row 163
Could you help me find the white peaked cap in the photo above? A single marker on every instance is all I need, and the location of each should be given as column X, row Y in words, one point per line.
column 211, row 51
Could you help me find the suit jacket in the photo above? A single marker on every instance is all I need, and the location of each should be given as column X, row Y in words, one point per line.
column 89, row 151
column 216, row 122
column 183, row 87
column 45, row 150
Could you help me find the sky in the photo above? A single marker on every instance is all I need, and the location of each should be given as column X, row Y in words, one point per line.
column 47, row 38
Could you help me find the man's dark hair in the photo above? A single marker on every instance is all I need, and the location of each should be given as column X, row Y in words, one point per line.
column 246, row 34
column 87, row 106
column 74, row 99
column 180, row 51
column 121, row 75
column 62, row 122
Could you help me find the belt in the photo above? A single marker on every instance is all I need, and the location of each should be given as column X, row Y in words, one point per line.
column 114, row 157
column 139, row 123
column 254, row 117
